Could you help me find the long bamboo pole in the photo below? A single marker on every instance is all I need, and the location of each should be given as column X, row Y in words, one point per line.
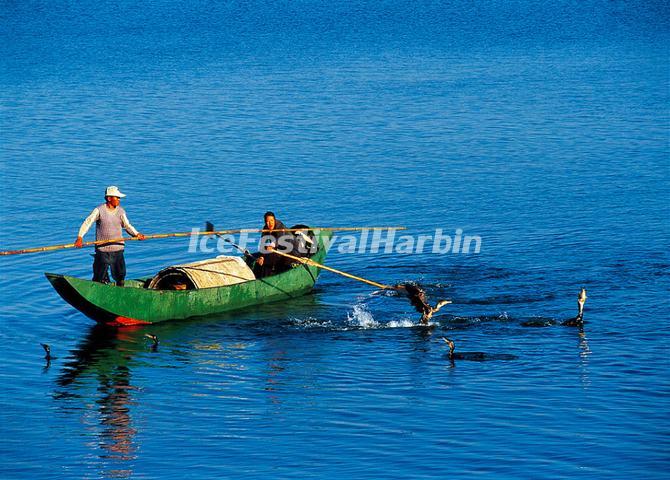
column 311, row 262
column 188, row 234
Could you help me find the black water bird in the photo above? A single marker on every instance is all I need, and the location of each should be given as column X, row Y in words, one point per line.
column 473, row 356
column 452, row 346
column 154, row 339
column 539, row 322
column 417, row 297
column 577, row 321
column 462, row 355
column 47, row 352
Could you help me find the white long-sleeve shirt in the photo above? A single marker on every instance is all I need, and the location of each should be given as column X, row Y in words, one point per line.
column 95, row 216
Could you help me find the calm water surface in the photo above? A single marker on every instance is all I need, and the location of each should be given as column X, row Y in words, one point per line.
column 542, row 128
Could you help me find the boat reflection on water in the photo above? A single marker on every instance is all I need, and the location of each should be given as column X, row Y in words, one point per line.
column 96, row 380
column 117, row 437
column 104, row 356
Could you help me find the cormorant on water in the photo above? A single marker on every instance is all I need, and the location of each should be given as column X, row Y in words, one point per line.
column 154, row 339
column 462, row 355
column 47, row 352
column 417, row 298
column 474, row 356
column 452, row 346
column 578, row 321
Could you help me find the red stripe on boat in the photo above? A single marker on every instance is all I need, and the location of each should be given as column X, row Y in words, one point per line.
column 127, row 321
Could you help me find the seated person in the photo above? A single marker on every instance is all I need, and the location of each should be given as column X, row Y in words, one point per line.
column 269, row 263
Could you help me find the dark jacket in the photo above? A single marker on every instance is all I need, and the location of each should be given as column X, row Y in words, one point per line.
column 279, row 225
column 274, row 263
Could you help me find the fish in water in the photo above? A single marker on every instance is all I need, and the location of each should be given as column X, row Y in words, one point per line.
column 578, row 321
column 417, row 297
column 154, row 339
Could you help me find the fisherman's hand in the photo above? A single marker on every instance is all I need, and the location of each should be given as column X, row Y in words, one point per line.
column 140, row 236
column 260, row 261
column 79, row 242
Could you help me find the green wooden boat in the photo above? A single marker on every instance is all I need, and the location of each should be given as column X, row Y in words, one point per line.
column 135, row 304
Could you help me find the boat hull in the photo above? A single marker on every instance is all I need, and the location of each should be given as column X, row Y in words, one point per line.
column 135, row 305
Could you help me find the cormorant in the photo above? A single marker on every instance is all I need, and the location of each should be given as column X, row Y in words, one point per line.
column 577, row 321
column 47, row 351
column 462, row 355
column 417, row 298
column 154, row 339
column 474, row 356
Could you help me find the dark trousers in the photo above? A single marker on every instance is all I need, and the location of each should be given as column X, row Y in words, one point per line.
column 270, row 264
column 112, row 260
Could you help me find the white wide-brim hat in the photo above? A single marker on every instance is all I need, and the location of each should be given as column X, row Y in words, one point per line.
column 113, row 191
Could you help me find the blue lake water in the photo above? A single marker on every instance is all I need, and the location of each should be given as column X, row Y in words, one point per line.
column 543, row 128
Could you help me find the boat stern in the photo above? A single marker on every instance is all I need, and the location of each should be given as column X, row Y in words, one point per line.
column 66, row 288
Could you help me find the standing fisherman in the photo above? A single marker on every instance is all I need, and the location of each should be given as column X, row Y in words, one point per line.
column 109, row 219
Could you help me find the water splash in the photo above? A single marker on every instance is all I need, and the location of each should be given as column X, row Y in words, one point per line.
column 361, row 317
column 404, row 323
column 311, row 323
